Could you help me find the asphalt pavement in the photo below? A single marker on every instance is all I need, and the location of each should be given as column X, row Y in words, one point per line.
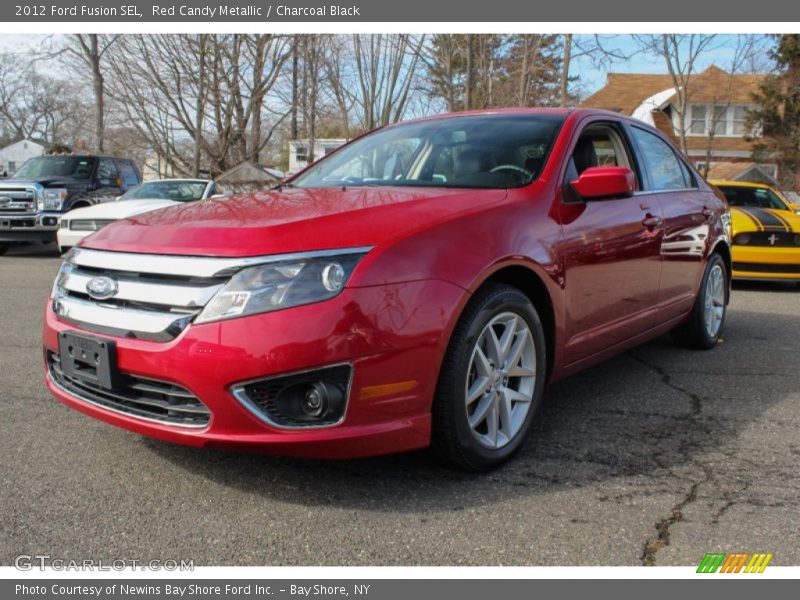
column 654, row 457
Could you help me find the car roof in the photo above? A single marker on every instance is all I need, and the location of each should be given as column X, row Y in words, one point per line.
column 516, row 111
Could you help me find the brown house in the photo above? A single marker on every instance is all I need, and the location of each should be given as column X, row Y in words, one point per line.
column 714, row 122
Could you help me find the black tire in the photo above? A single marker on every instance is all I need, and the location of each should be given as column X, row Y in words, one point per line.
column 4, row 246
column 62, row 250
column 693, row 333
column 453, row 439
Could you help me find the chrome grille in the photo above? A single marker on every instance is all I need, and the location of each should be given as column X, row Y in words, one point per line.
column 156, row 296
column 17, row 200
column 88, row 224
column 137, row 397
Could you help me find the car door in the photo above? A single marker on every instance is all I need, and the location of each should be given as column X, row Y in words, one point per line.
column 612, row 249
column 129, row 174
column 687, row 216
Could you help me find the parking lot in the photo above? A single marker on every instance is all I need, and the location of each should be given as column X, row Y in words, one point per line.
column 654, row 457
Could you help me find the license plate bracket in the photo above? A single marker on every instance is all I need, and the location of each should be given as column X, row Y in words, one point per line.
column 93, row 360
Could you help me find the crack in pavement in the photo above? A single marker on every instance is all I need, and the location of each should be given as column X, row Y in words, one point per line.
column 653, row 545
column 662, row 539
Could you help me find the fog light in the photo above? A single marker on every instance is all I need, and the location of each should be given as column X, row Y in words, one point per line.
column 316, row 400
column 307, row 399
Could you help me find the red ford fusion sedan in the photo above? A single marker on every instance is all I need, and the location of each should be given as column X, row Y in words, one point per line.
column 417, row 287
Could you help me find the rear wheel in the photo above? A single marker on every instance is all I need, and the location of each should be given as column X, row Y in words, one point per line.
column 704, row 327
column 491, row 381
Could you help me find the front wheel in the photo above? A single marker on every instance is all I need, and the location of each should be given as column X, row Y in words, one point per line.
column 704, row 327
column 491, row 381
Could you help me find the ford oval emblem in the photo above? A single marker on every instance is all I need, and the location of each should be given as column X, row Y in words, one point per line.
column 101, row 288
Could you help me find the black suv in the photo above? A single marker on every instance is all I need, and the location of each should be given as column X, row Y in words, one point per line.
column 44, row 188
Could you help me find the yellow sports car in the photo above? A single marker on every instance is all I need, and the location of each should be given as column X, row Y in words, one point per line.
column 766, row 232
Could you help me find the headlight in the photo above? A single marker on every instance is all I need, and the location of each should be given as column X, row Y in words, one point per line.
column 63, row 273
column 281, row 284
column 54, row 198
column 742, row 239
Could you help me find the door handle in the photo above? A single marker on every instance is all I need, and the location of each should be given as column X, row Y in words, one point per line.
column 651, row 221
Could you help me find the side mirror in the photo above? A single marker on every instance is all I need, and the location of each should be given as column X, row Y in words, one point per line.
column 598, row 183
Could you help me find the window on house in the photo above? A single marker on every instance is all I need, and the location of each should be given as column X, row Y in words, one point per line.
column 12, row 166
column 739, row 120
column 698, row 124
column 301, row 153
column 720, row 120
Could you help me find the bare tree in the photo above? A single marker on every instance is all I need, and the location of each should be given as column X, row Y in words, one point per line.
column 36, row 105
column 88, row 51
column 208, row 94
column 386, row 69
column 741, row 59
column 598, row 49
column 680, row 53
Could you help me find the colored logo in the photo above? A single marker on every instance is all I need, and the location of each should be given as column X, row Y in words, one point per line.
column 737, row 562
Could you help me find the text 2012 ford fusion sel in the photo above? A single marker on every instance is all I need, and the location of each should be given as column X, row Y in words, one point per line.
column 418, row 286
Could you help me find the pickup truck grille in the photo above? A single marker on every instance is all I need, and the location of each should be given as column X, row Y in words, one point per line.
column 138, row 397
column 17, row 200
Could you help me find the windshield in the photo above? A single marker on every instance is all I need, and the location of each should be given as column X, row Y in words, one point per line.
column 75, row 167
column 756, row 197
column 482, row 151
column 179, row 191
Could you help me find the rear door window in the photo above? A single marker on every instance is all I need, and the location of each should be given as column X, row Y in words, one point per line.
column 127, row 171
column 106, row 172
column 667, row 171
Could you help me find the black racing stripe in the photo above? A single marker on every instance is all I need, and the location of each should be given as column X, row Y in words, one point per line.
column 781, row 218
column 765, row 218
column 753, row 220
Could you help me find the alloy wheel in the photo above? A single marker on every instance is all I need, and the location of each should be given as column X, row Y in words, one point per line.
column 714, row 301
column 501, row 380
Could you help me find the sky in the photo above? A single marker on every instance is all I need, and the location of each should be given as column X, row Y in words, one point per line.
column 721, row 53
column 592, row 77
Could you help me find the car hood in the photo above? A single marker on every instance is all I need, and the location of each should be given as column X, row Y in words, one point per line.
column 47, row 182
column 118, row 210
column 747, row 218
column 291, row 220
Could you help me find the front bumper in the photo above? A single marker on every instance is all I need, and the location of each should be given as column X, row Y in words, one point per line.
column 770, row 263
column 41, row 227
column 67, row 238
column 394, row 337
